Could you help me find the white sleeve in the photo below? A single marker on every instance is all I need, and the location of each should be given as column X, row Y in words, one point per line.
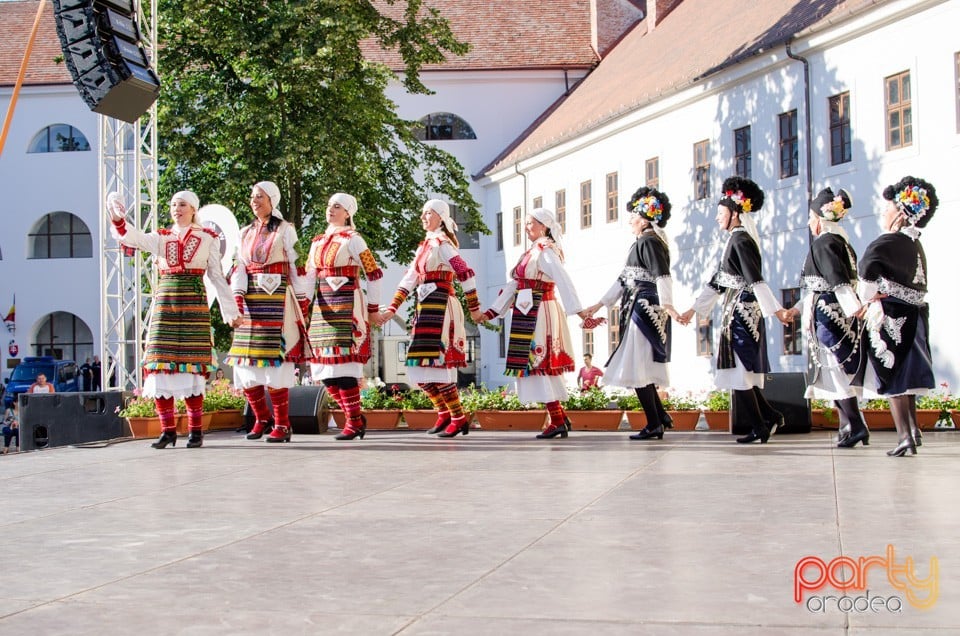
column 768, row 304
column 505, row 299
column 448, row 252
column 613, row 293
column 358, row 246
column 705, row 302
column 866, row 290
column 551, row 266
column 290, row 251
column 308, row 281
column 665, row 290
column 214, row 274
column 848, row 300
column 146, row 241
column 239, row 277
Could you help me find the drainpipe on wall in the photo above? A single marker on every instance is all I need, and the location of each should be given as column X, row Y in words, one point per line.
column 523, row 207
column 807, row 124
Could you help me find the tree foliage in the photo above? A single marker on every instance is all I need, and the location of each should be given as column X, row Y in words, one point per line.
column 281, row 91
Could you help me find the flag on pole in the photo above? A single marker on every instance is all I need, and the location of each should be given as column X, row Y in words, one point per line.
column 10, row 320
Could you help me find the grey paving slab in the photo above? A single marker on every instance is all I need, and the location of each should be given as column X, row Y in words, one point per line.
column 495, row 533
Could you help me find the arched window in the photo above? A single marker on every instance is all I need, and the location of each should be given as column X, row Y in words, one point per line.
column 437, row 126
column 63, row 336
column 59, row 235
column 59, row 138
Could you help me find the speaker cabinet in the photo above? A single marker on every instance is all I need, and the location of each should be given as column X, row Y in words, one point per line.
column 101, row 48
column 62, row 419
column 309, row 411
column 784, row 392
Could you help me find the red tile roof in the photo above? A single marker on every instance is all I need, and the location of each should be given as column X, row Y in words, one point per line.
column 508, row 34
column 695, row 40
column 17, row 19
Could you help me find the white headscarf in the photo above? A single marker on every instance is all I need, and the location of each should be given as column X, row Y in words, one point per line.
column 348, row 202
column 546, row 217
column 188, row 197
column 271, row 190
column 443, row 210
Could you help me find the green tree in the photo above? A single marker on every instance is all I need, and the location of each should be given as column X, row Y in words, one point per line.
column 281, row 91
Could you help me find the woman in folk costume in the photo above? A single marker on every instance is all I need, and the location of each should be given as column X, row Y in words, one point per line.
column 645, row 291
column 829, row 307
column 540, row 348
column 179, row 351
column 893, row 284
column 272, row 338
column 339, row 323
column 747, row 300
column 438, row 342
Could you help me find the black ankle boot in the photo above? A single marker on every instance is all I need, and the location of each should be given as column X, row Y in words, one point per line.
column 195, row 440
column 166, row 437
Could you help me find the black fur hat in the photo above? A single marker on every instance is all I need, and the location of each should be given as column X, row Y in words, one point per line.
column 830, row 206
column 741, row 195
column 916, row 198
column 652, row 204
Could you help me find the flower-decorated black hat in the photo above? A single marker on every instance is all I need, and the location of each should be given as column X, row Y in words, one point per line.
column 652, row 204
column 741, row 195
column 916, row 198
column 830, row 206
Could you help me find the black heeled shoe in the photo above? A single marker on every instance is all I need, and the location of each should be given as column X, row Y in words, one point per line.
column 774, row 424
column 552, row 431
column 843, row 433
column 195, row 439
column 257, row 433
column 439, row 426
column 666, row 422
column 351, row 433
column 851, row 440
column 166, row 437
column 917, row 437
column 463, row 429
column 754, row 435
column 647, row 432
column 902, row 448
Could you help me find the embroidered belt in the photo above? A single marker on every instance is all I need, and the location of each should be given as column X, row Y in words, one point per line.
column 438, row 277
column 272, row 268
column 182, row 271
column 732, row 281
column 533, row 283
column 350, row 271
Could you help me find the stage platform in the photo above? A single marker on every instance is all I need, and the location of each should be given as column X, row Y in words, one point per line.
column 495, row 533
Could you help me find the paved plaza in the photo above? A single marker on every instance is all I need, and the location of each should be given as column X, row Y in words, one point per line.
column 495, row 533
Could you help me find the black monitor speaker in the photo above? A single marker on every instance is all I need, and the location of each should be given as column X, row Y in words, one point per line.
column 784, row 392
column 62, row 419
column 101, row 48
column 309, row 411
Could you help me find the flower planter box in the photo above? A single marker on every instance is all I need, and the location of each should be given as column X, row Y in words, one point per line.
column 377, row 419
column 825, row 419
column 927, row 418
column 879, row 419
column 226, row 420
column 511, row 420
column 718, row 420
column 419, row 420
column 146, row 427
column 607, row 420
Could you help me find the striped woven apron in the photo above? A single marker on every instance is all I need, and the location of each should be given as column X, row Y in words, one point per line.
column 331, row 322
column 179, row 339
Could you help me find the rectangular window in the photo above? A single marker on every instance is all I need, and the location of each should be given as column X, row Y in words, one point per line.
column 537, row 202
column 502, row 337
column 613, row 323
column 741, row 150
column 701, row 168
column 705, row 337
column 517, row 226
column 789, row 145
column 792, row 335
column 840, row 144
column 587, row 342
column 586, row 204
column 899, row 111
column 561, row 201
column 652, row 173
column 613, row 197
column 499, row 231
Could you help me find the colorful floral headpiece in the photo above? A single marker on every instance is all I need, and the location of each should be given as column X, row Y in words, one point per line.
column 834, row 210
column 913, row 201
column 742, row 202
column 650, row 207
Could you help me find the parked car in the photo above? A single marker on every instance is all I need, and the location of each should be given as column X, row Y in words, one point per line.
column 62, row 374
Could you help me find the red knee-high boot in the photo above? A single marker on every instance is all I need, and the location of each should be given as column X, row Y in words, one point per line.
column 559, row 425
column 458, row 421
column 281, row 415
column 436, row 398
column 334, row 392
column 257, row 399
column 355, row 425
column 168, row 422
column 195, row 421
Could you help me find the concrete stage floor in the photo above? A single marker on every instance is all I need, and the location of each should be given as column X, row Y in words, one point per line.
column 495, row 533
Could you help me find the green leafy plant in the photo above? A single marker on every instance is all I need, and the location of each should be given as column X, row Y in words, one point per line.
column 415, row 400
column 876, row 404
column 498, row 399
column 829, row 413
column 717, row 400
column 380, row 399
column 138, row 406
column 939, row 400
column 629, row 403
column 681, row 402
column 593, row 399
column 223, row 397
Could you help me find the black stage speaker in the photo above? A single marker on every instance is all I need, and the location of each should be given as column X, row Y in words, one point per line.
column 309, row 412
column 61, row 419
column 101, row 48
column 785, row 392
